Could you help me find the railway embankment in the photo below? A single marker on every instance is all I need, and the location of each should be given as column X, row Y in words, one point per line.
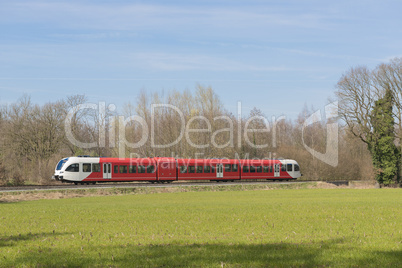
column 17, row 194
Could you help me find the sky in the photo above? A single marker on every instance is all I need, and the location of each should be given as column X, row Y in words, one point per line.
column 278, row 56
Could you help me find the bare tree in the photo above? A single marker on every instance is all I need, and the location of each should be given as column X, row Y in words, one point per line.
column 356, row 101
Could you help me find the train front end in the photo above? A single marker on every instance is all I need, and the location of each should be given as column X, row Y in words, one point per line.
column 292, row 168
column 76, row 169
column 59, row 171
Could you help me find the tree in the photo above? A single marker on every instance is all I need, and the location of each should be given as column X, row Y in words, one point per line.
column 382, row 147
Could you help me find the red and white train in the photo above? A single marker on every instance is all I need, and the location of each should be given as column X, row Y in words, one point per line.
column 84, row 169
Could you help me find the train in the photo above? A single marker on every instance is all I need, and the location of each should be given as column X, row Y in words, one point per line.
column 91, row 170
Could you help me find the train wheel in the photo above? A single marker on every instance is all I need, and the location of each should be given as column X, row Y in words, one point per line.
column 76, row 183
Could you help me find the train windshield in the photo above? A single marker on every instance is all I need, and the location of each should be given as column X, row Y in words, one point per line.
column 61, row 163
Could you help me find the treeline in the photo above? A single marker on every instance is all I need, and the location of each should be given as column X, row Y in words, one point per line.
column 180, row 124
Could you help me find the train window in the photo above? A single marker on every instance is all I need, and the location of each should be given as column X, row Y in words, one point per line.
column 141, row 169
column 116, row 169
column 266, row 169
column 151, row 169
column 252, row 169
column 199, row 169
column 235, row 167
column 227, row 167
column 207, row 169
column 283, row 168
column 246, row 169
column 271, row 169
column 183, row 169
column 123, row 169
column 132, row 169
column 259, row 169
column 289, row 168
column 191, row 169
column 86, row 167
column 73, row 168
column 297, row 168
column 213, row 169
column 95, row 167
column 61, row 163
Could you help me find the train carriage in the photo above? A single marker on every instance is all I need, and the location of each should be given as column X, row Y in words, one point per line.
column 86, row 169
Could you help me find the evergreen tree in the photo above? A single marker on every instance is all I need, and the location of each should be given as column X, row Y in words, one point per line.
column 384, row 152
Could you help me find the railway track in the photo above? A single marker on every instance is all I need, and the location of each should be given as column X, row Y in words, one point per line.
column 133, row 185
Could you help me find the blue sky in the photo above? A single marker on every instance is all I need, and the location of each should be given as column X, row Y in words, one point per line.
column 275, row 55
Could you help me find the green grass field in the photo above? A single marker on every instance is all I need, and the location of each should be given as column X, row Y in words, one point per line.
column 305, row 227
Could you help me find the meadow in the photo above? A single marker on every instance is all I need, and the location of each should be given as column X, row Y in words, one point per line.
column 281, row 228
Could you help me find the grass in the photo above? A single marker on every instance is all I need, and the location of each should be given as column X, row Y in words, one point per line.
column 259, row 228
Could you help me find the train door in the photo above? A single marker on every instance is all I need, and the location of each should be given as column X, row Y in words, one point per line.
column 107, row 170
column 276, row 170
column 166, row 169
column 219, row 170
